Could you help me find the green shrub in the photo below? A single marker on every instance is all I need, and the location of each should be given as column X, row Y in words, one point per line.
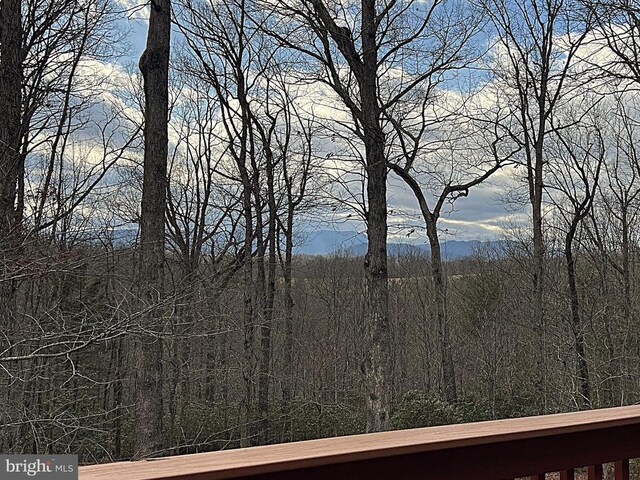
column 314, row 420
column 419, row 409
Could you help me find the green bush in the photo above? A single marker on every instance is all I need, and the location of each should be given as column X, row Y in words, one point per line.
column 471, row 410
column 314, row 420
column 419, row 409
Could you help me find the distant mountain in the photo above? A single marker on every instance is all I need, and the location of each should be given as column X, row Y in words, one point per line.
column 125, row 236
column 325, row 242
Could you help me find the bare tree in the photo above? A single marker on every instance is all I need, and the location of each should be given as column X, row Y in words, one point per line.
column 610, row 228
column 154, row 65
column 417, row 123
column 221, row 41
column 203, row 215
column 537, row 42
column 357, row 47
column 297, row 155
column 580, row 152
column 11, row 78
column 617, row 25
column 445, row 180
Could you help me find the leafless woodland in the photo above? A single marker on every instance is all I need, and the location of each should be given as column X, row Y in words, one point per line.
column 153, row 297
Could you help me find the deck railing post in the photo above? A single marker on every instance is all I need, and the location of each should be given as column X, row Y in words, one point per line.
column 567, row 474
column 622, row 470
column 595, row 472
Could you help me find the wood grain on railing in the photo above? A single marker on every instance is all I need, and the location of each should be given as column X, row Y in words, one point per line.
column 485, row 450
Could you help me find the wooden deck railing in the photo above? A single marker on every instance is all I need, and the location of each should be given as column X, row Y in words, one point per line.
column 497, row 450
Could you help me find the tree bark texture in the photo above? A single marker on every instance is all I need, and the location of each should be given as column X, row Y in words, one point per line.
column 11, row 76
column 154, row 65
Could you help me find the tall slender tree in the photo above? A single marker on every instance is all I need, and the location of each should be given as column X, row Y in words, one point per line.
column 580, row 152
column 11, row 72
column 154, row 65
column 538, row 42
column 347, row 42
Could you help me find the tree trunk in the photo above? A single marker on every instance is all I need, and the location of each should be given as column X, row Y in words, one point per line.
column 616, row 373
column 538, row 258
column 576, row 323
column 446, row 358
column 536, row 189
column 11, row 73
column 154, row 65
column 377, row 313
column 267, row 320
column 287, row 387
column 10, row 99
column 248, row 324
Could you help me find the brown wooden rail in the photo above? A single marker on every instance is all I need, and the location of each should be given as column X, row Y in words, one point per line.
column 496, row 450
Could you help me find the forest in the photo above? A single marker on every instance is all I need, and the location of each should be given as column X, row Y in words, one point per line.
column 163, row 162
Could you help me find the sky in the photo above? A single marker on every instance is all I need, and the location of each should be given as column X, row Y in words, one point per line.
column 483, row 215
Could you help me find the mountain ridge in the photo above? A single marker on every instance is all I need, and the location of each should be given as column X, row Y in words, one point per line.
column 326, row 242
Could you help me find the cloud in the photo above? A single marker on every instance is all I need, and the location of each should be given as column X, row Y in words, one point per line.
column 482, row 213
column 135, row 9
